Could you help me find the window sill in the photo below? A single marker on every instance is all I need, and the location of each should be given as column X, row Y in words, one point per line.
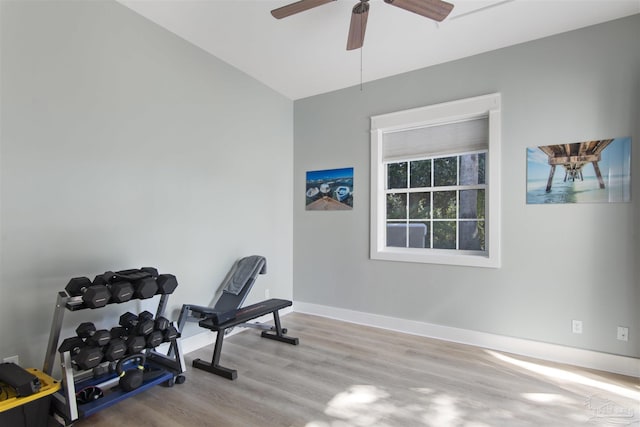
column 434, row 256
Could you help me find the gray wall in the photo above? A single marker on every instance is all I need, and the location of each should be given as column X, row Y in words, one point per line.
column 122, row 146
column 560, row 262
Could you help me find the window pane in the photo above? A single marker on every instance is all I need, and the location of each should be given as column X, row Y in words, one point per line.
column 419, row 235
column 472, row 169
column 444, row 204
column 444, row 235
column 397, row 235
column 397, row 206
column 420, row 174
column 471, row 204
column 445, row 171
column 472, row 235
column 397, row 175
column 419, row 205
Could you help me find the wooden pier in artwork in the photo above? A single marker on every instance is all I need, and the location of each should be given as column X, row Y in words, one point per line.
column 573, row 157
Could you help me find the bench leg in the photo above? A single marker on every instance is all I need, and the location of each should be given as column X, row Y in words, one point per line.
column 279, row 335
column 214, row 367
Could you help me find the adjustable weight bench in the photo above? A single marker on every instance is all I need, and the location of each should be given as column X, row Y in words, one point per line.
column 227, row 312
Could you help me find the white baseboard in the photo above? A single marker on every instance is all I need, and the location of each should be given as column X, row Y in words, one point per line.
column 551, row 352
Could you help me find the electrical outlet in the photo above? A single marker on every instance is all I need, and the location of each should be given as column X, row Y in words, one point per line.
column 623, row 333
column 12, row 359
column 266, row 293
column 576, row 326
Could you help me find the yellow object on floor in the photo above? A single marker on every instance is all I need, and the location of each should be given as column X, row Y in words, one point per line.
column 9, row 400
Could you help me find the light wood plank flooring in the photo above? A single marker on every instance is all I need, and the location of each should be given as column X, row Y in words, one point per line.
column 345, row 375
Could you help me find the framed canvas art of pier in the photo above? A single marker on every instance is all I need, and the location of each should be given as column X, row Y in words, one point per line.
column 597, row 171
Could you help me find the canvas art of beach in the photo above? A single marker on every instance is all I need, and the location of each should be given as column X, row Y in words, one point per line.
column 596, row 171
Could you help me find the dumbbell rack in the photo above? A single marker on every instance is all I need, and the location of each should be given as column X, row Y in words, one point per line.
column 169, row 369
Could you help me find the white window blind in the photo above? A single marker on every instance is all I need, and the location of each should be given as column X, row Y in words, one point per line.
column 437, row 139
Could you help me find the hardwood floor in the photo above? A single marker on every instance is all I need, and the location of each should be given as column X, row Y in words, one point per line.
column 345, row 375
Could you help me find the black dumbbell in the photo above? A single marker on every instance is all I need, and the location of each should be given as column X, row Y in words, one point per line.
column 121, row 291
column 145, row 287
column 144, row 284
column 170, row 334
column 83, row 356
column 161, row 323
column 103, row 279
column 94, row 296
column 137, row 325
column 118, row 332
column 146, row 315
column 167, row 283
column 115, row 350
column 151, row 270
column 85, row 329
column 134, row 343
column 154, row 339
column 91, row 336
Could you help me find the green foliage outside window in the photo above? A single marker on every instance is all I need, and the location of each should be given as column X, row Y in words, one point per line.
column 421, row 174
column 419, row 205
column 444, row 235
column 445, row 171
column 396, row 206
column 397, row 175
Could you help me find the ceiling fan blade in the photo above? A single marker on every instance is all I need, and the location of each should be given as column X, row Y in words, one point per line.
column 297, row 7
column 433, row 9
column 358, row 25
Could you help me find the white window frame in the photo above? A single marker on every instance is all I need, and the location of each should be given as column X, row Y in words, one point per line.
column 482, row 106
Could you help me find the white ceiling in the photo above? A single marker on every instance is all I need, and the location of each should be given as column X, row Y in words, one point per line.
column 305, row 54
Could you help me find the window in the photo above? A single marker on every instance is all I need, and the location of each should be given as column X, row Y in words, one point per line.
column 437, row 203
column 435, row 183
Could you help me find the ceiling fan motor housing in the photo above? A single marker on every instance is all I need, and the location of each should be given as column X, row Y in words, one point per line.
column 361, row 7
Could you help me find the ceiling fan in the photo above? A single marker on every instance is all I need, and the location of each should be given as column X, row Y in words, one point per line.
column 433, row 9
